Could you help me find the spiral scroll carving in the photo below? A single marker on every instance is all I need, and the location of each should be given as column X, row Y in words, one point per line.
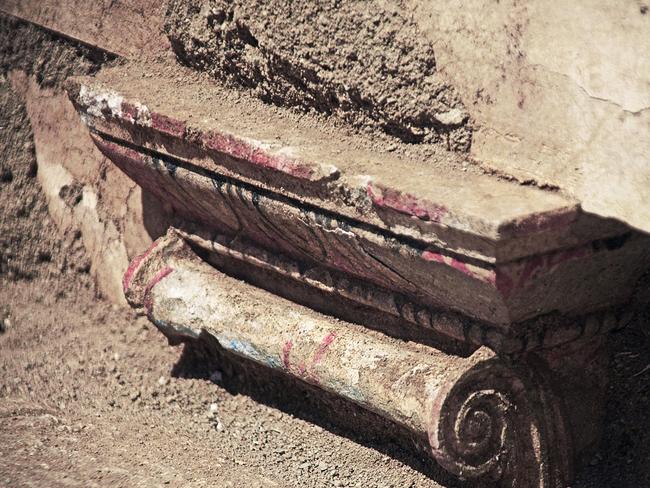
column 502, row 423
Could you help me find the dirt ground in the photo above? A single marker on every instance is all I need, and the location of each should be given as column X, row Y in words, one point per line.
column 91, row 394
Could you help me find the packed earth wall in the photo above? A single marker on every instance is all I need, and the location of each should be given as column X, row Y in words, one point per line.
column 85, row 194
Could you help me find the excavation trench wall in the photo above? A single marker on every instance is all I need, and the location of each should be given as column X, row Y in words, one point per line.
column 87, row 197
column 550, row 94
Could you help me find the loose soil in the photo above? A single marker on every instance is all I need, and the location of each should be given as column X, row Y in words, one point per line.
column 29, row 240
column 368, row 65
column 41, row 53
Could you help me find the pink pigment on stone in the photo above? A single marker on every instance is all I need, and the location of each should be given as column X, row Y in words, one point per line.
column 405, row 203
column 236, row 148
column 134, row 265
column 154, row 281
column 511, row 278
column 531, row 266
column 433, row 256
column 504, row 284
column 322, row 349
column 130, row 111
column 454, row 263
column 168, row 125
column 286, row 352
column 301, row 368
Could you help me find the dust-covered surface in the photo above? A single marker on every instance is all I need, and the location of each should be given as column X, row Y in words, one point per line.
column 366, row 63
column 91, row 395
column 41, row 53
column 89, row 399
column 185, row 94
column 124, row 27
column 85, row 194
column 558, row 92
column 539, row 114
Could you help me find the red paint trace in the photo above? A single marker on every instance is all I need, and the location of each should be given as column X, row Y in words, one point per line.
column 154, row 281
column 134, row 265
column 322, row 349
column 167, row 125
column 232, row 146
column 286, row 351
column 301, row 368
column 405, row 203
column 129, row 112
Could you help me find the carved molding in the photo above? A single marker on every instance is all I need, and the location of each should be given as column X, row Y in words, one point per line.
column 535, row 334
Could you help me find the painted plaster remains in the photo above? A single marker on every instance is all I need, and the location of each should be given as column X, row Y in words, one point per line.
column 481, row 417
column 549, row 93
column 476, row 150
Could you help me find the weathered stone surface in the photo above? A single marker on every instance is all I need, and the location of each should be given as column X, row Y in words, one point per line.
column 485, row 419
column 499, row 259
column 558, row 93
column 503, row 294
column 487, row 246
column 301, row 163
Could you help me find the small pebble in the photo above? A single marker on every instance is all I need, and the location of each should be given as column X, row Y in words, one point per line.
column 212, row 410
